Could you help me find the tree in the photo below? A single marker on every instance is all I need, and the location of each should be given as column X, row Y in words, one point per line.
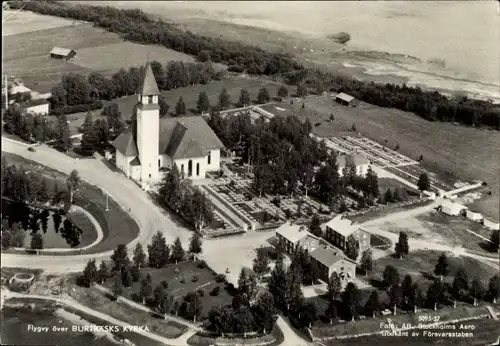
column 350, row 298
column 195, row 244
column 332, row 117
column 367, row 261
column 89, row 274
column 166, row 304
column 301, row 89
column 396, row 296
column 221, row 319
column 117, row 286
column 388, row 198
column 247, row 283
column 158, row 251
column 102, row 272
column 331, row 311
column 406, row 288
column 308, row 314
column 73, row 183
column 126, row 275
column 423, row 182
column 372, row 183
column 244, row 98
column 120, row 257
column 264, row 311
column 159, row 294
column 193, row 306
column 202, row 210
column 435, row 294
column 180, row 107
column 261, row 262
column 402, row 248
column 278, row 284
column 352, row 248
column 263, row 95
column 283, row 91
column 315, row 226
column 203, row 104
column 139, row 256
column 203, row 56
column 334, row 286
column 164, row 107
column 353, row 127
column 476, row 289
column 442, row 266
column 63, row 132
column 170, row 189
column 90, row 136
column 416, row 297
column 178, row 253
column 372, row 305
column 37, row 241
column 460, row 285
column 135, row 272
column 390, row 276
column 146, row 289
column 224, row 100
column 494, row 288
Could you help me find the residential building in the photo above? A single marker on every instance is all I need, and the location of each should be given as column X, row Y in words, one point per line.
column 358, row 160
column 290, row 237
column 345, row 100
column 338, row 230
column 329, row 260
column 452, row 208
column 473, row 216
column 151, row 143
column 62, row 53
column 39, row 106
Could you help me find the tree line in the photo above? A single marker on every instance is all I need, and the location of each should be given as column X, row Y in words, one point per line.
column 136, row 26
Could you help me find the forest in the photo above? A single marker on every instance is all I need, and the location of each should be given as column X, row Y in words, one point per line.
column 137, row 26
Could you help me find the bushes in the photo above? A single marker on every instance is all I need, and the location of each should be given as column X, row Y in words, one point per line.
column 220, row 278
column 77, row 108
column 215, row 291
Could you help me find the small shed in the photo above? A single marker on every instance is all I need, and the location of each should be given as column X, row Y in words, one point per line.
column 345, row 100
column 62, row 53
column 39, row 106
column 473, row 216
column 451, row 208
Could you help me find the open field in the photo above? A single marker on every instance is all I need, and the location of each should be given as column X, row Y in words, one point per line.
column 188, row 278
column 442, row 145
column 27, row 54
column 233, row 85
column 20, row 22
column 118, row 227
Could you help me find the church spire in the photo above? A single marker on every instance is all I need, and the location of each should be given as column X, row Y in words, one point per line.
column 148, row 86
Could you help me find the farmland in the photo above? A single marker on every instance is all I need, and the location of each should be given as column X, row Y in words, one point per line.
column 26, row 52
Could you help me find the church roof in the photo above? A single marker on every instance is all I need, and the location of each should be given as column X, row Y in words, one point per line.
column 148, row 84
column 187, row 137
column 125, row 144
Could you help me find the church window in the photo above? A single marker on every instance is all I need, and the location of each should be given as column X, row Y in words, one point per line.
column 209, row 157
column 190, row 168
column 150, row 175
column 158, row 162
column 198, row 169
column 150, row 99
column 182, row 168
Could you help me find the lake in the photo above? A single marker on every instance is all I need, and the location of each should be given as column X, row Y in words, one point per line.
column 463, row 34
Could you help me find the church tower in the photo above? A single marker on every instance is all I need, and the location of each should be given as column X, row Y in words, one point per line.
column 148, row 126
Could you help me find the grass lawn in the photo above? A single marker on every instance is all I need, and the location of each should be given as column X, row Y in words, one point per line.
column 186, row 272
column 274, row 338
column 441, row 144
column 97, row 300
column 232, row 83
column 117, row 226
column 380, row 242
column 27, row 55
column 454, row 228
column 485, row 332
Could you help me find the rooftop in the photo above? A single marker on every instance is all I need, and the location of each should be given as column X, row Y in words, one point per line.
column 33, row 103
column 342, row 226
column 293, row 232
column 450, row 204
column 148, row 84
column 345, row 97
column 326, row 255
column 61, row 51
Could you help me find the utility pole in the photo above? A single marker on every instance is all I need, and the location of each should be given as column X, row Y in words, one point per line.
column 107, row 202
column 6, row 92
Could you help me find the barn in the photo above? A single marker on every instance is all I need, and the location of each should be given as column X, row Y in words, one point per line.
column 62, row 53
column 345, row 100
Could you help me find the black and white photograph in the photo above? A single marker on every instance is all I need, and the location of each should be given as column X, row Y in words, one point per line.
column 250, row 173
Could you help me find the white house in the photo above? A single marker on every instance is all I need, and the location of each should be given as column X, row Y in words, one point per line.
column 473, row 216
column 451, row 208
column 39, row 106
column 359, row 160
column 152, row 143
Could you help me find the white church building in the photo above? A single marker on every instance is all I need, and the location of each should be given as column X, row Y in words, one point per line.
column 154, row 143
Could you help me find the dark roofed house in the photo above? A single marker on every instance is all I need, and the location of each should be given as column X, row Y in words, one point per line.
column 329, row 260
column 62, row 53
column 345, row 100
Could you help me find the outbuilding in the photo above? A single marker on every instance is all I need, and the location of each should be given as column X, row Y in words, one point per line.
column 451, row 208
column 39, row 106
column 345, row 100
column 62, row 53
column 473, row 216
